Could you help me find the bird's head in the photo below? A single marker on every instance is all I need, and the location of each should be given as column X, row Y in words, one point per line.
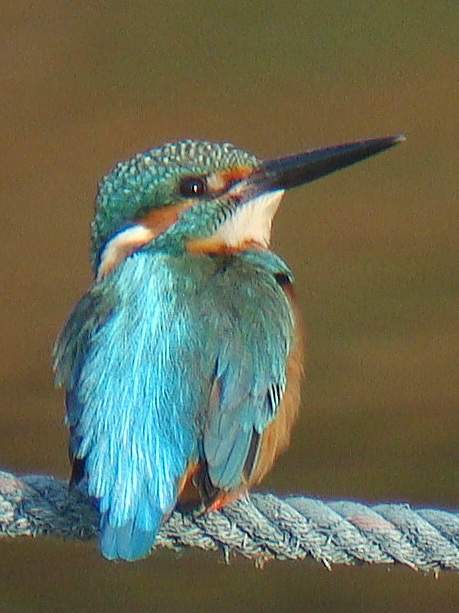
column 203, row 197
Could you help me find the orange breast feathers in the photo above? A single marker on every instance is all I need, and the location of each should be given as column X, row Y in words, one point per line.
column 194, row 486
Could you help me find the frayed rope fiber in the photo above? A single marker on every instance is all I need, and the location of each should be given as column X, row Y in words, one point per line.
column 261, row 527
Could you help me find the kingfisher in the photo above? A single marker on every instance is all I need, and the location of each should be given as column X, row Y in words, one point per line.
column 182, row 363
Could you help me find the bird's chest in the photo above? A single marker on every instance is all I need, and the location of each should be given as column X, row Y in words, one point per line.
column 198, row 303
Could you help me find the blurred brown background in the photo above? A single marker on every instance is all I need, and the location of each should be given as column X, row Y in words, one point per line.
column 374, row 248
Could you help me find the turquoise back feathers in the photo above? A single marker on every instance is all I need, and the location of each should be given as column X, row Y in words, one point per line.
column 182, row 362
column 139, row 360
column 146, row 347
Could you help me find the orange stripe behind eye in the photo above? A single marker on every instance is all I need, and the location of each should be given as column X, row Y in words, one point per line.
column 145, row 230
column 159, row 220
column 236, row 174
column 223, row 179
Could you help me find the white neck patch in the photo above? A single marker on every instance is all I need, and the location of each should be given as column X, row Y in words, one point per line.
column 121, row 246
column 252, row 221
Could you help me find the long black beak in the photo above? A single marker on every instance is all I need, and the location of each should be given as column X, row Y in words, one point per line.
column 294, row 170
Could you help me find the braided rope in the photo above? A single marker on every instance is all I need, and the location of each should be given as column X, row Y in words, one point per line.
column 261, row 527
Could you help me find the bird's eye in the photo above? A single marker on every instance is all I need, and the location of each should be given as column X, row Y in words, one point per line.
column 193, row 187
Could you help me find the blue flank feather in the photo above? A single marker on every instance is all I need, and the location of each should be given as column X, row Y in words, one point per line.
column 139, row 356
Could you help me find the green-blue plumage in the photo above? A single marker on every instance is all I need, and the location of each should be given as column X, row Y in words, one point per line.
column 139, row 357
column 179, row 353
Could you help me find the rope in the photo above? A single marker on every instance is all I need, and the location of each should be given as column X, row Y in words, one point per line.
column 261, row 527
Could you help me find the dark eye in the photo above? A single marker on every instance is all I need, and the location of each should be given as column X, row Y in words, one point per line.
column 193, row 186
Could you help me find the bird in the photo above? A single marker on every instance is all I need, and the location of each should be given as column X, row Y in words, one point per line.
column 182, row 363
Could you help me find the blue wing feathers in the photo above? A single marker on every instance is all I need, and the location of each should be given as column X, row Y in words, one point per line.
column 139, row 357
column 251, row 369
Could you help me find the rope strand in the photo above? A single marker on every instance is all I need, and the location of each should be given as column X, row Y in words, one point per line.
column 260, row 527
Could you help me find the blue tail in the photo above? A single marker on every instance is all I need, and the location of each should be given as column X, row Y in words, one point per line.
column 127, row 542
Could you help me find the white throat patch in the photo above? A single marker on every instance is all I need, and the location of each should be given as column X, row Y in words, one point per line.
column 121, row 246
column 252, row 221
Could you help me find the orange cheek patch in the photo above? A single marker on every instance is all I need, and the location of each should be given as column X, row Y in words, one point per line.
column 145, row 230
column 159, row 220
